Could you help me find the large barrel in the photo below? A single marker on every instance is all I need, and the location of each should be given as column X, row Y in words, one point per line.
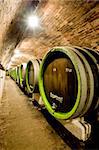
column 22, row 72
column 67, row 82
column 92, row 57
column 95, row 53
column 32, row 70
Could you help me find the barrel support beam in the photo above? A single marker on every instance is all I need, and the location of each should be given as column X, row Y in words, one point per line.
column 78, row 127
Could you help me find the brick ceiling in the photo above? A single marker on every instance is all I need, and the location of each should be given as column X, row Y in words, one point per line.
column 62, row 22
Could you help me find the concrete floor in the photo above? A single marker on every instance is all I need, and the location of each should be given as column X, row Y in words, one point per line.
column 21, row 126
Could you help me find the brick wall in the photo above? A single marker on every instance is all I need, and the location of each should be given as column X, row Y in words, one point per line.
column 62, row 22
column 65, row 22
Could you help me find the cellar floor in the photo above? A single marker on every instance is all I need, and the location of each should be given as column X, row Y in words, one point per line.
column 21, row 126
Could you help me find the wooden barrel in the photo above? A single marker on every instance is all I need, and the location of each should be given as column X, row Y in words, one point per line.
column 32, row 70
column 13, row 73
column 90, row 86
column 93, row 62
column 22, row 72
column 17, row 72
column 66, row 83
column 95, row 53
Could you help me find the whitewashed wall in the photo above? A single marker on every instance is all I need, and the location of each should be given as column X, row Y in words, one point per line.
column 2, row 79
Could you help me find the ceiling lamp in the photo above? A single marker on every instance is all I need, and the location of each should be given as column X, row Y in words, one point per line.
column 33, row 21
column 17, row 53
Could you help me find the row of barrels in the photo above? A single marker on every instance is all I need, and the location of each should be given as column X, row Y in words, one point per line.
column 26, row 76
column 68, row 80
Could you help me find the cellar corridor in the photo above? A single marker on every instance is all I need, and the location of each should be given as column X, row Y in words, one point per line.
column 21, row 126
column 49, row 74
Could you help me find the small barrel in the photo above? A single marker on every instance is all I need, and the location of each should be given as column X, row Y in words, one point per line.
column 13, row 73
column 17, row 72
column 67, row 82
column 22, row 72
column 32, row 70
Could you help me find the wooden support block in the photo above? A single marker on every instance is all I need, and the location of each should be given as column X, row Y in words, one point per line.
column 78, row 127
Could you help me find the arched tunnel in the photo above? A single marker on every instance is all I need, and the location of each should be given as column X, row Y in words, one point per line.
column 49, row 74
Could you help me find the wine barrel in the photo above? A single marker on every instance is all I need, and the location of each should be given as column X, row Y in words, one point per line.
column 17, row 72
column 22, row 72
column 13, row 73
column 61, row 82
column 66, row 83
column 90, row 85
column 95, row 53
column 93, row 59
column 32, row 70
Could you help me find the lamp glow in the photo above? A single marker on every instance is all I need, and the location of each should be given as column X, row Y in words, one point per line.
column 12, row 59
column 17, row 51
column 33, row 21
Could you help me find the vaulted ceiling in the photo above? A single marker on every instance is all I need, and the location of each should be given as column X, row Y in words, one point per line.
column 62, row 22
